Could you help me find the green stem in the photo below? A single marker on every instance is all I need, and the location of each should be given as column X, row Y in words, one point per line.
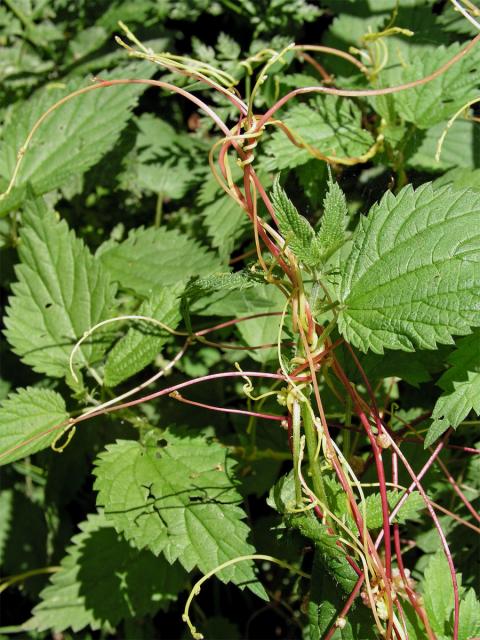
column 158, row 211
column 296, row 451
column 311, row 437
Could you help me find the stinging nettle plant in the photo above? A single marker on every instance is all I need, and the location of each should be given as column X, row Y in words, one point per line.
column 310, row 347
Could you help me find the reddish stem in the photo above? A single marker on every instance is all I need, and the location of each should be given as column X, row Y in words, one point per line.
column 255, row 414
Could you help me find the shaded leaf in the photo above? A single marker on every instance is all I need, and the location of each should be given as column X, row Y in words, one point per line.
column 177, row 496
column 149, row 259
column 103, row 580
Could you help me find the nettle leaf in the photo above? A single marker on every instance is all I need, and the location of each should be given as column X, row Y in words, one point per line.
column 103, row 580
column 149, row 259
column 170, row 179
column 298, row 232
column 225, row 222
column 332, row 556
column 439, row 99
column 25, row 415
column 177, row 496
column 334, row 220
column 410, row 510
column 461, row 385
column 71, row 139
column 438, row 599
column 142, row 343
column 412, row 278
column 331, row 125
column 460, row 147
column 237, row 281
column 62, row 291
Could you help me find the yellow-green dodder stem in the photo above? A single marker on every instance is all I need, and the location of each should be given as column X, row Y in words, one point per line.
column 296, row 417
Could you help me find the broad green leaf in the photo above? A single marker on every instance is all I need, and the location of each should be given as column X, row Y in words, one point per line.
column 461, row 385
column 170, row 179
column 439, row 99
column 71, row 139
column 331, row 125
column 373, row 508
column 150, row 259
column 412, row 279
column 297, row 231
column 103, row 580
column 460, row 179
column 143, row 341
column 237, row 281
column 332, row 556
column 334, row 220
column 460, row 147
column 437, row 592
column 226, row 222
column 176, row 495
column 24, row 417
column 262, row 298
column 261, row 331
column 469, row 626
column 62, row 291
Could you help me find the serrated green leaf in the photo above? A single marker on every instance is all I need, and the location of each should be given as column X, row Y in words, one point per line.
column 461, row 385
column 439, row 99
column 460, row 179
column 25, row 415
column 297, row 231
column 150, row 259
column 332, row 556
column 62, row 291
column 170, row 179
column 177, row 496
column 413, row 276
column 71, row 140
column 237, row 281
column 226, row 222
column 460, row 147
column 331, row 125
column 469, row 624
column 142, row 343
column 437, row 590
column 103, row 580
column 373, row 508
column 334, row 219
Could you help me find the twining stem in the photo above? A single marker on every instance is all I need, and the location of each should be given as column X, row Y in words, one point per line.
column 364, row 93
